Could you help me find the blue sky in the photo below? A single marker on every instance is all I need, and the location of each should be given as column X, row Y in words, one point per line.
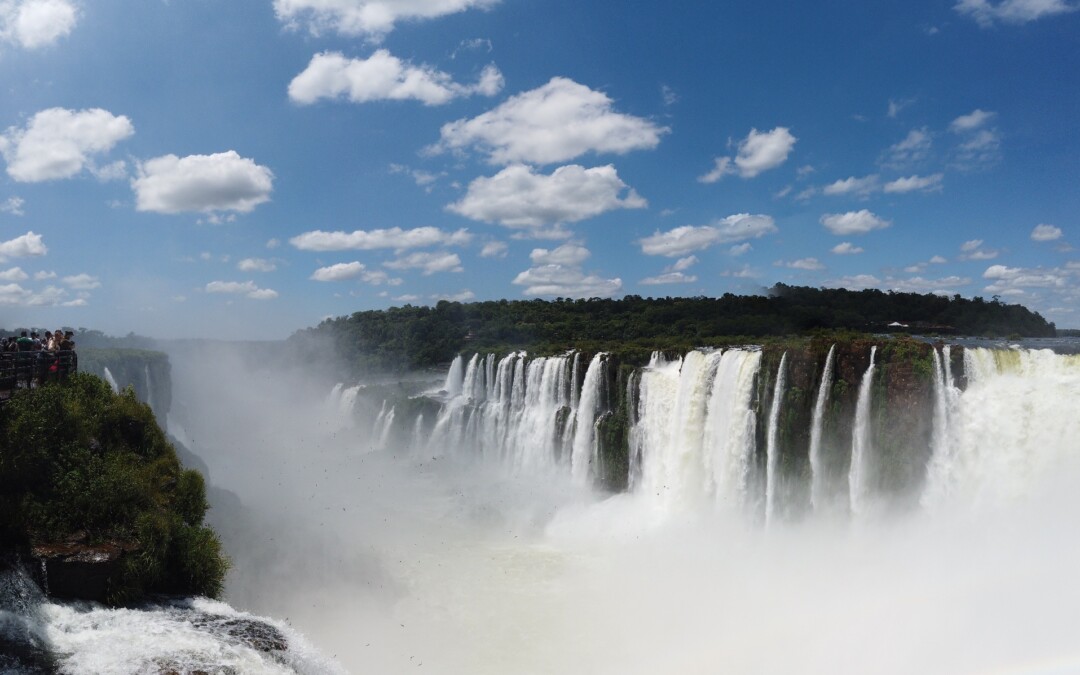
column 246, row 168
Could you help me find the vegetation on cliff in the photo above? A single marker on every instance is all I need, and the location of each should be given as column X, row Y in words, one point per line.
column 405, row 338
column 81, row 464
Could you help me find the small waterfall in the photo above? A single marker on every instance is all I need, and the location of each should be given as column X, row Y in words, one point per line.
column 149, row 387
column 858, row 474
column 583, row 459
column 455, row 378
column 111, row 380
column 817, row 473
column 772, row 452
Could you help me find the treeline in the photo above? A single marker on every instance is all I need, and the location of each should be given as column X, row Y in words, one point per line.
column 410, row 337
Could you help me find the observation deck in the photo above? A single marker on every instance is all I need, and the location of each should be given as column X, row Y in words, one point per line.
column 26, row 370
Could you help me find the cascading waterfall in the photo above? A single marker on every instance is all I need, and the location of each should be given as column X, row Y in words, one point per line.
column 584, row 457
column 730, row 429
column 455, row 379
column 858, row 474
column 817, row 472
column 772, row 452
column 111, row 380
column 149, row 387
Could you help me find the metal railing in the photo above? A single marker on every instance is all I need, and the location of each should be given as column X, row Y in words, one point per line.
column 24, row 370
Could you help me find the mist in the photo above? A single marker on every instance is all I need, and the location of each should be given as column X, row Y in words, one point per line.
column 391, row 559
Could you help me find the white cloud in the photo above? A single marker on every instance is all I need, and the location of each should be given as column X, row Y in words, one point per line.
column 914, row 149
column 972, row 250
column 13, row 205
column 14, row 274
column 938, row 260
column 553, row 123
column 809, row 264
column 43, row 276
column 854, row 282
column 338, row 272
column 372, row 19
column 82, row 282
column 930, row 183
column 246, row 288
column 16, row 295
column 566, row 282
column 36, row 23
column 202, row 183
column 59, row 143
column 980, row 150
column 987, row 12
column 740, row 249
column 973, row 120
column 383, row 76
column 853, row 222
column 896, row 106
column 369, row 240
column 273, row 243
column 408, row 297
column 683, row 264
column 461, row 296
column 668, row 278
column 758, row 152
column 921, row 285
column 861, row 187
column 23, row 246
column 1013, row 278
column 494, row 249
column 688, row 238
column 256, row 265
column 971, row 245
column 846, row 248
column 567, row 254
column 430, row 263
column 519, row 198
column 1046, row 233
column 424, row 179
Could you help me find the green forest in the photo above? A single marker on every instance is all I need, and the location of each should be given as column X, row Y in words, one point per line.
column 411, row 337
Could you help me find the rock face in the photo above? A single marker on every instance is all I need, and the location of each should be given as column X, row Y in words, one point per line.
column 149, row 373
column 76, row 570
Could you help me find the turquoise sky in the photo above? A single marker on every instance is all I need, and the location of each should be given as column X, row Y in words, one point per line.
column 246, row 168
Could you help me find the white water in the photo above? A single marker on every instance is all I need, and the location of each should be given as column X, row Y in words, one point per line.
column 111, row 380
column 772, row 453
column 585, row 457
column 149, row 387
column 457, row 564
column 861, row 448
column 817, row 473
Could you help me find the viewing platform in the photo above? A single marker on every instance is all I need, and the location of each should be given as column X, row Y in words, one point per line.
column 25, row 370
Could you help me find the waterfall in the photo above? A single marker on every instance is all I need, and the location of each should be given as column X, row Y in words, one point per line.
column 858, row 474
column 1017, row 421
column 149, row 387
column 817, row 473
column 730, row 429
column 583, row 459
column 111, row 380
column 455, row 378
column 771, row 450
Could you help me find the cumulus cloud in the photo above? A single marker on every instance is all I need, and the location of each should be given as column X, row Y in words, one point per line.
column 669, row 278
column 246, row 288
column 740, row 249
column 914, row 149
column 32, row 24
column 853, row 222
column 972, row 250
column 369, row 240
column 688, row 238
column 372, row 19
column 922, row 285
column 567, row 254
column 565, row 281
column 988, row 12
column 846, row 248
column 353, row 270
column 13, row 205
column 915, row 183
column 494, row 249
column 758, row 152
column 82, row 282
column 428, row 262
column 201, row 183
column 554, row 123
column 383, row 77
column 14, row 274
column 23, row 246
column 854, row 282
column 974, row 120
column 15, row 295
column 517, row 197
column 256, row 265
column 43, row 276
column 808, row 264
column 1004, row 279
column 1046, row 233
column 861, row 187
column 60, row 143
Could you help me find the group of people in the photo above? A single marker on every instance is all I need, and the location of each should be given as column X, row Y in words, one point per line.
column 55, row 341
column 29, row 361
